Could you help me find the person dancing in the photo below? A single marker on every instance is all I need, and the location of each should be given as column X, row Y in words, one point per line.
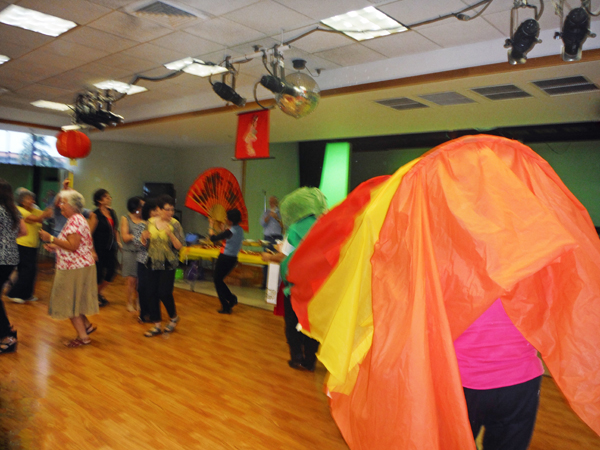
column 74, row 293
column 164, row 237
column 104, row 226
column 227, row 260
column 22, row 289
column 130, row 225
column 11, row 227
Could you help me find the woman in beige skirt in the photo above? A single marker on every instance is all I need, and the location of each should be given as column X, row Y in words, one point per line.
column 75, row 291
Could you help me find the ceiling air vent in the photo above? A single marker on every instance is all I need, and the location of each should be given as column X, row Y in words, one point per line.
column 166, row 12
column 503, row 92
column 569, row 85
column 447, row 98
column 401, row 103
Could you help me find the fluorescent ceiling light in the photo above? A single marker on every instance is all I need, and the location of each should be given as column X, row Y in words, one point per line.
column 196, row 67
column 366, row 23
column 3, row 59
column 35, row 21
column 118, row 86
column 51, row 105
column 71, row 127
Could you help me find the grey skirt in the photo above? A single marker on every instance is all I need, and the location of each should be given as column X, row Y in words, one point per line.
column 128, row 263
column 74, row 292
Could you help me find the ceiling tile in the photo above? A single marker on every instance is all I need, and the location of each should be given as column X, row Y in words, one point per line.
column 319, row 41
column 44, row 63
column 127, row 62
column 73, row 10
column 38, row 92
column 154, row 53
column 104, row 71
column 72, row 80
column 248, row 48
column 91, row 37
column 313, row 62
column 130, row 27
column 72, row 50
column 218, row 8
column 187, row 43
column 351, row 55
column 13, row 50
column 113, row 4
column 455, row 33
column 269, row 17
column 26, row 38
column 324, row 9
column 400, row 44
column 13, row 79
column 410, row 12
column 225, row 32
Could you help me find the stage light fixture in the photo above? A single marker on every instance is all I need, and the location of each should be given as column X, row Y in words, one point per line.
column 225, row 91
column 522, row 41
column 575, row 30
column 94, row 109
column 524, row 38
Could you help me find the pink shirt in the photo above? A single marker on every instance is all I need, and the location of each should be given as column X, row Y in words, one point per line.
column 82, row 257
column 492, row 353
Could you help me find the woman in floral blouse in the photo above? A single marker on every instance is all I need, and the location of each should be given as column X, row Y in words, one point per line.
column 75, row 291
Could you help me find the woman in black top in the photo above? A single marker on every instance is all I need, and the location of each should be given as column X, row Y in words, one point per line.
column 11, row 227
column 104, row 227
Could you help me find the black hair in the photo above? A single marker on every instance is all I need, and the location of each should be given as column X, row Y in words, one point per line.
column 235, row 216
column 148, row 207
column 165, row 200
column 98, row 196
column 133, row 204
column 7, row 200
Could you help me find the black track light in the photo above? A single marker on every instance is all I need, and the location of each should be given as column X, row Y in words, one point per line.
column 576, row 29
column 523, row 41
column 228, row 94
column 277, row 86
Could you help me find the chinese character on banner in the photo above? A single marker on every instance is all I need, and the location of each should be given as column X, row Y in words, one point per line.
column 253, row 135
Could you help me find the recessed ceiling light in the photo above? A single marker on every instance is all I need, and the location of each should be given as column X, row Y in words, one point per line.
column 366, row 23
column 35, row 21
column 51, row 105
column 121, row 87
column 196, row 67
column 3, row 59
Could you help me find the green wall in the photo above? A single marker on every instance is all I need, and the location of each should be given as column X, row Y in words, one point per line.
column 576, row 163
column 17, row 176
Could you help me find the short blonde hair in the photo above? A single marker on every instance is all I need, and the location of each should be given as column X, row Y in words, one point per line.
column 73, row 198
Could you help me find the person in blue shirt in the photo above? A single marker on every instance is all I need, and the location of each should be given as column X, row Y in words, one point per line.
column 272, row 230
column 227, row 260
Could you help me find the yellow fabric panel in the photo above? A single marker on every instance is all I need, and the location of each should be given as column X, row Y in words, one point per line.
column 341, row 315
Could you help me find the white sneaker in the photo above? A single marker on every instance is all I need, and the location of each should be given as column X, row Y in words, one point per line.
column 16, row 300
column 32, row 299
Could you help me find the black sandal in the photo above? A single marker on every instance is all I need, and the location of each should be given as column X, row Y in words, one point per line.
column 8, row 345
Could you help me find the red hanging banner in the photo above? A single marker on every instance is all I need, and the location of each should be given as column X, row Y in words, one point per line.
column 253, row 135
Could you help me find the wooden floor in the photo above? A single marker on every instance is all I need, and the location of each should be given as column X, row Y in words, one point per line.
column 218, row 382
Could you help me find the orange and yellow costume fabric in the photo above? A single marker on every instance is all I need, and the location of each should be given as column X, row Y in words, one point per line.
column 391, row 277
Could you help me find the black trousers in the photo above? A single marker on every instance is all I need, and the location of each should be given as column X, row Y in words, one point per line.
column 27, row 270
column 224, row 265
column 143, row 274
column 272, row 239
column 106, row 266
column 508, row 414
column 160, row 285
column 5, row 272
column 303, row 349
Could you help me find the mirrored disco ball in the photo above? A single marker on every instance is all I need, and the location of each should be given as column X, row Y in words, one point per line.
column 306, row 99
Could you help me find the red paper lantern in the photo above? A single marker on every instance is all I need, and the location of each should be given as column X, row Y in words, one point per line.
column 73, row 144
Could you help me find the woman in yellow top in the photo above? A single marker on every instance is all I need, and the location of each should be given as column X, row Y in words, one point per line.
column 164, row 237
column 22, row 289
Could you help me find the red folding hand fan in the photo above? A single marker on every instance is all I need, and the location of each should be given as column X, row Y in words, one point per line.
column 215, row 192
